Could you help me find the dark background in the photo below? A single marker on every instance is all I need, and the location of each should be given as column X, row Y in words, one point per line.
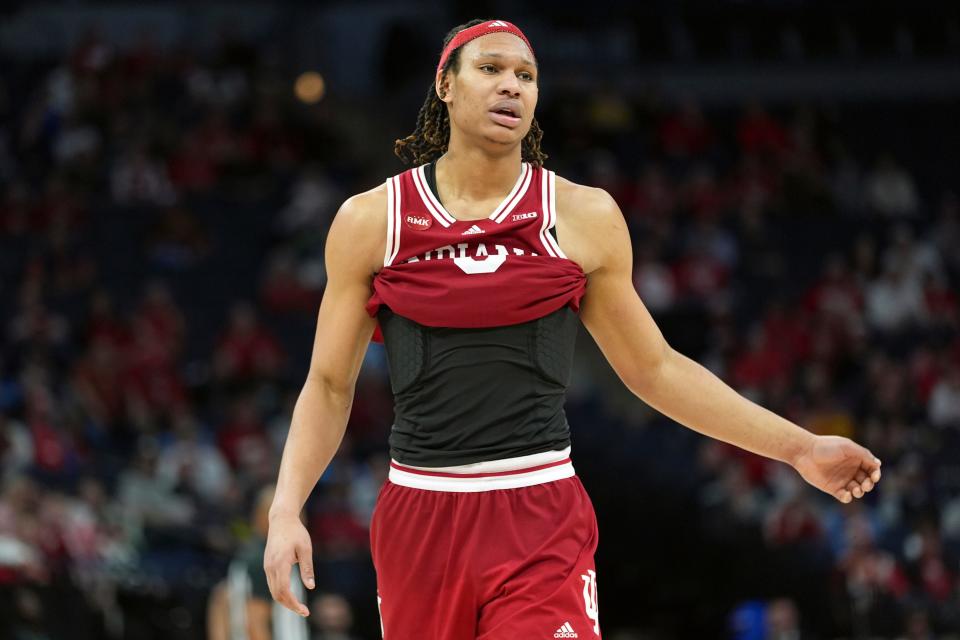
column 789, row 174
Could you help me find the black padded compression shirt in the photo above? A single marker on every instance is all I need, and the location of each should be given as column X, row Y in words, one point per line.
column 469, row 395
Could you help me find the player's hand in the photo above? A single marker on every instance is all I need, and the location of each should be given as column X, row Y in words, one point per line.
column 288, row 543
column 840, row 467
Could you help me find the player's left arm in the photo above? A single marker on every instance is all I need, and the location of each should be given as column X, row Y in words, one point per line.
column 674, row 384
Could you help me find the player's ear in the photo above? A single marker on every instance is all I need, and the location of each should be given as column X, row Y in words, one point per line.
column 442, row 87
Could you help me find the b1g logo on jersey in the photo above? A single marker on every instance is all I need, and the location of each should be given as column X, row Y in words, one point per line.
column 523, row 216
column 418, row 223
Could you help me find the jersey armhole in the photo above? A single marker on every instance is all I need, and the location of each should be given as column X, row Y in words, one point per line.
column 393, row 221
column 551, row 206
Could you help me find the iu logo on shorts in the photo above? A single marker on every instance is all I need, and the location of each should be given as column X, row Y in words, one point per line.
column 590, row 598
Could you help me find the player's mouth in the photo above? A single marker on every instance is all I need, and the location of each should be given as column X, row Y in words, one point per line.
column 506, row 113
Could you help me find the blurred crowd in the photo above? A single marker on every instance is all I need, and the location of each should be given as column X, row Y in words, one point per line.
column 162, row 218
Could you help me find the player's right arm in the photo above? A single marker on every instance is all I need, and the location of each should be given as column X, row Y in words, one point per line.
column 354, row 253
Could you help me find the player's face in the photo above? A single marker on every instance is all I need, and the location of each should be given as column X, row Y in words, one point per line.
column 494, row 94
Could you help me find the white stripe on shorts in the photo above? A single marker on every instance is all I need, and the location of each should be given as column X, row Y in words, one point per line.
column 507, row 473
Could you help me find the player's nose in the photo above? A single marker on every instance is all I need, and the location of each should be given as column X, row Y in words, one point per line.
column 509, row 84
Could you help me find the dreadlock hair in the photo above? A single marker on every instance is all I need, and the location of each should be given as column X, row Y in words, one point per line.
column 431, row 136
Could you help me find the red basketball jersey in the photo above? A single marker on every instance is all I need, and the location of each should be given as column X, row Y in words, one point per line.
column 504, row 269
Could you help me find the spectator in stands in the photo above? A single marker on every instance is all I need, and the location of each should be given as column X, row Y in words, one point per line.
column 846, row 182
column 247, row 349
column 20, row 554
column 731, row 500
column 825, row 414
column 701, row 278
column 945, row 233
column 685, row 133
column 159, row 316
column 178, row 241
column 151, row 502
column 783, row 620
column 701, row 196
column 942, row 304
column 79, row 142
column 654, row 196
column 153, row 384
column 794, row 521
column 944, row 406
column 864, row 260
column 916, row 258
column 755, row 183
column 653, row 280
column 930, row 566
column 332, row 617
column 102, row 322
column 837, row 298
column 16, row 447
column 30, row 620
column 242, row 438
column 894, row 302
column 285, row 287
column 890, row 191
column 192, row 463
column 760, row 363
column 191, row 167
column 138, row 178
column 98, row 382
column 335, row 526
column 760, row 133
column 873, row 579
column 37, row 326
column 314, row 198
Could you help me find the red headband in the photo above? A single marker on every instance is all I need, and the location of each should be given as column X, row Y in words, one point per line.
column 477, row 30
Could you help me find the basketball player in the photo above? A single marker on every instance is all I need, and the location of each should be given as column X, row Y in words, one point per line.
column 477, row 266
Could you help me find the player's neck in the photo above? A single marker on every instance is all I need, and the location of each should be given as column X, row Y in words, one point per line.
column 472, row 174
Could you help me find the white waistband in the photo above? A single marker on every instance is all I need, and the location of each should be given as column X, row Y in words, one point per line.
column 508, row 473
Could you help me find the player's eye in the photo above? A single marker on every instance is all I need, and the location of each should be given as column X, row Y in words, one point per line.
column 526, row 75
column 487, row 68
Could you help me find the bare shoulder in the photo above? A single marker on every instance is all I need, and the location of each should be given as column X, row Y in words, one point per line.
column 359, row 230
column 584, row 198
column 590, row 226
column 365, row 211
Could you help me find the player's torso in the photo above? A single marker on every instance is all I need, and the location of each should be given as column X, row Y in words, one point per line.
column 479, row 322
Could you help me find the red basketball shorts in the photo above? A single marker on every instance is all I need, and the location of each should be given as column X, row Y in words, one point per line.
column 499, row 550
